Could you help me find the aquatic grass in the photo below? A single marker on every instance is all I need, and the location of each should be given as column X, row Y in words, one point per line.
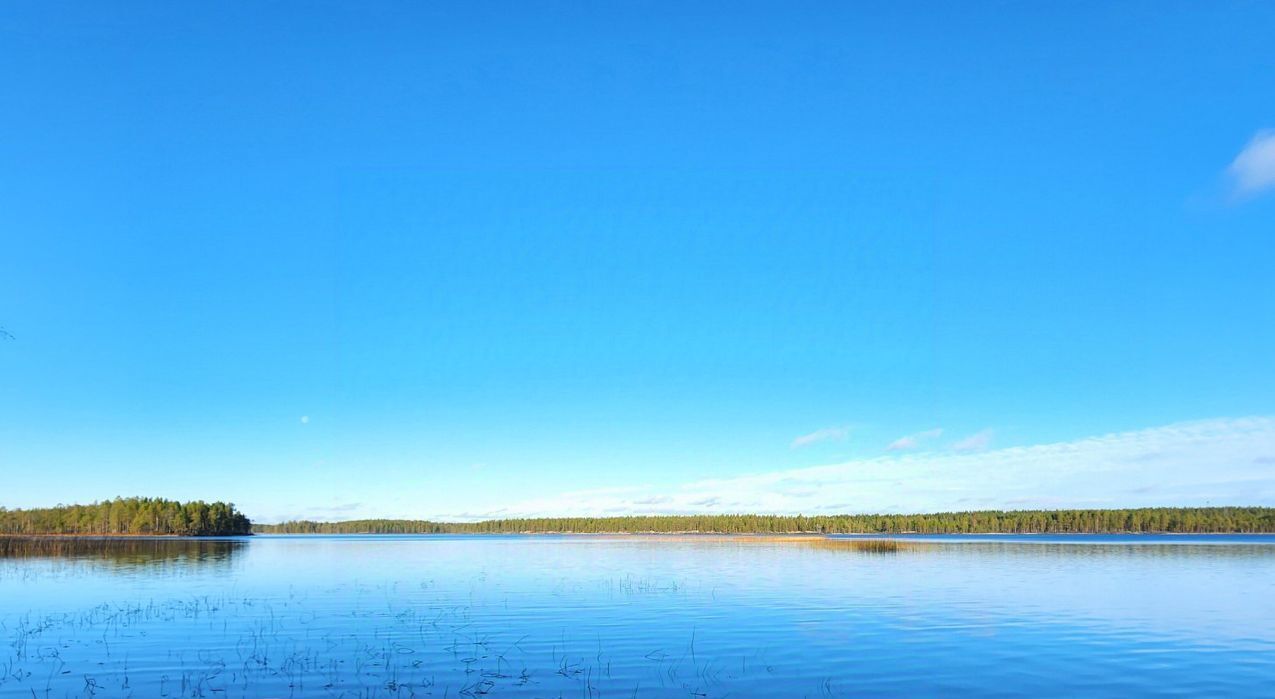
column 249, row 649
column 871, row 546
column 857, row 545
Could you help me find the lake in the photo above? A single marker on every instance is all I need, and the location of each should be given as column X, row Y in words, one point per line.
column 624, row 616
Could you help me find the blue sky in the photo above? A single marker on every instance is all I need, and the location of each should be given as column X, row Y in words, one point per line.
column 443, row 260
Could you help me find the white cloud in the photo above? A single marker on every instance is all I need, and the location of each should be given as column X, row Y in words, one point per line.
column 975, row 442
column 824, row 435
column 305, row 419
column 912, row 441
column 1253, row 170
column 1222, row 461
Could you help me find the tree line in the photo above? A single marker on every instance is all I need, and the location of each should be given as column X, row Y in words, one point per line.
column 155, row 516
column 1186, row 520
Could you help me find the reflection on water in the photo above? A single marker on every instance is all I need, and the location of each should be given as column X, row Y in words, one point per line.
column 645, row 616
column 123, row 551
column 161, row 556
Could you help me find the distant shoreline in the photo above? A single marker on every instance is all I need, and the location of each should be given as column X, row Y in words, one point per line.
column 146, row 517
column 1165, row 520
column 743, row 536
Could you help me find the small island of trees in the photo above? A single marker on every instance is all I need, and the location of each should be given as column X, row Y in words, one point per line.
column 128, row 516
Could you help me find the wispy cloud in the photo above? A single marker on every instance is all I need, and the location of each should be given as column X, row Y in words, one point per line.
column 335, row 512
column 826, row 434
column 1252, row 173
column 1192, row 463
column 912, row 441
column 975, row 442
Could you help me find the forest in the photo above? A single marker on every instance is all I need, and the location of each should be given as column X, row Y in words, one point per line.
column 1186, row 520
column 157, row 516
column 129, row 516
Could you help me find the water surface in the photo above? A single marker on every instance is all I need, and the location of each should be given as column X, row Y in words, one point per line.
column 588, row 616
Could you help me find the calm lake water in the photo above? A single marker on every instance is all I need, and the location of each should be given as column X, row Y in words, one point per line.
column 460, row 616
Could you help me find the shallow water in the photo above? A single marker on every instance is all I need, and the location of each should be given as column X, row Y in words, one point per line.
column 464, row 616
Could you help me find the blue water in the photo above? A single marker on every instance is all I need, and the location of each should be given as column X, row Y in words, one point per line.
column 456, row 616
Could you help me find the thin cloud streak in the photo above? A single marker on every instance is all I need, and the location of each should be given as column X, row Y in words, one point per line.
column 1192, row 463
column 975, row 442
column 912, row 441
column 1253, row 171
column 826, row 434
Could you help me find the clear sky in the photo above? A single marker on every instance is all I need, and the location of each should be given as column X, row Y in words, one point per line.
column 336, row 260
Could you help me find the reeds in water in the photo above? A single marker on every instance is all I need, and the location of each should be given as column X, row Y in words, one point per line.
column 870, row 546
